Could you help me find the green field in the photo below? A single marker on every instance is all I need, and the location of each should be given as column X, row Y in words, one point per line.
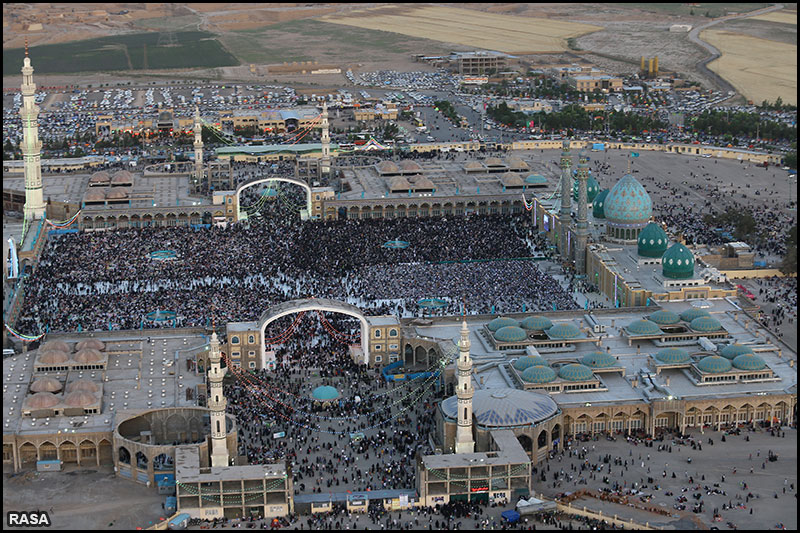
column 191, row 49
column 308, row 40
column 714, row 10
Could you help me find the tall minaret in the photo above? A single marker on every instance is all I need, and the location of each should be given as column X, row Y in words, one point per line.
column 31, row 145
column 197, row 180
column 217, row 404
column 582, row 231
column 464, row 391
column 326, row 141
column 566, row 201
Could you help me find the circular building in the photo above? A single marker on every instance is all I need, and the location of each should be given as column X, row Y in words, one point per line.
column 536, row 323
column 691, row 314
column 677, row 262
column 749, row 361
column 501, row 322
column 510, row 334
column 643, row 327
column 652, row 241
column 527, row 361
column 46, row 384
column 714, row 364
column 538, row 374
column 673, row 356
column 598, row 209
column 627, row 209
column 664, row 318
column 575, row 372
column 599, row 360
column 705, row 324
column 732, row 351
column 564, row 331
column 91, row 343
column 325, row 393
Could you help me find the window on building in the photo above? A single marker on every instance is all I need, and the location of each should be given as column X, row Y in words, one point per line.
column 251, row 339
column 234, row 340
column 252, row 364
column 393, row 333
column 377, row 333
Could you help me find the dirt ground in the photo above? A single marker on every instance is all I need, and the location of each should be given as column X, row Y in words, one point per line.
column 83, row 500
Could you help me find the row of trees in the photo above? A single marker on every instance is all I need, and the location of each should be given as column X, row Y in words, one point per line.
column 742, row 124
column 447, row 110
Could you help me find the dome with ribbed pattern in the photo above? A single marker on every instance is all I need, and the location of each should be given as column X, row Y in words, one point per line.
column 643, row 327
column 504, row 407
column 732, row 351
column 749, row 361
column 501, row 322
column 714, row 364
column 325, row 393
column 536, row 323
column 564, row 331
column 510, row 334
column 705, row 324
column 673, row 356
column 575, row 372
column 664, row 318
column 42, row 400
column 691, row 314
column 528, row 361
column 539, row 374
column 628, row 202
column 46, row 384
column 599, row 360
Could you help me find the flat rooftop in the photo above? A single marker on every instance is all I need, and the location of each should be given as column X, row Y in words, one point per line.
column 138, row 377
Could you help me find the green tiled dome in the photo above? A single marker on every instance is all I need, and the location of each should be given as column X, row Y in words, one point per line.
column 536, row 179
column 628, row 202
column 597, row 205
column 500, row 322
column 677, row 262
column 325, row 393
column 564, row 331
column 748, row 361
column 575, row 372
column 643, row 327
column 652, row 241
column 504, row 407
column 673, row 356
column 538, row 323
column 527, row 361
column 691, row 314
column 732, row 351
column 664, row 318
column 599, row 360
column 510, row 334
column 539, row 374
column 592, row 189
column 705, row 324
column 714, row 364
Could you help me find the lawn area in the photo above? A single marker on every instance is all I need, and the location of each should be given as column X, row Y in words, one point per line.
column 192, row 49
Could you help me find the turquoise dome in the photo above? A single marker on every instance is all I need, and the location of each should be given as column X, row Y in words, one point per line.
column 325, row 393
column 652, row 241
column 714, row 364
column 527, row 361
column 510, row 334
column 664, row 318
column 732, row 351
column 677, row 262
column 643, row 327
column 627, row 202
column 592, row 189
column 500, row 322
column 539, row 374
column 598, row 209
column 599, row 360
column 538, row 323
column 536, row 179
column 563, row 331
column 691, row 314
column 705, row 324
column 575, row 372
column 749, row 361
column 673, row 356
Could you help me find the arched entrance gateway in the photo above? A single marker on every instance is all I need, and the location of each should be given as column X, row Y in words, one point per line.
column 314, row 304
column 256, row 181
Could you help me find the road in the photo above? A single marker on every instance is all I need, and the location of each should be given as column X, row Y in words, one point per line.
column 694, row 36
